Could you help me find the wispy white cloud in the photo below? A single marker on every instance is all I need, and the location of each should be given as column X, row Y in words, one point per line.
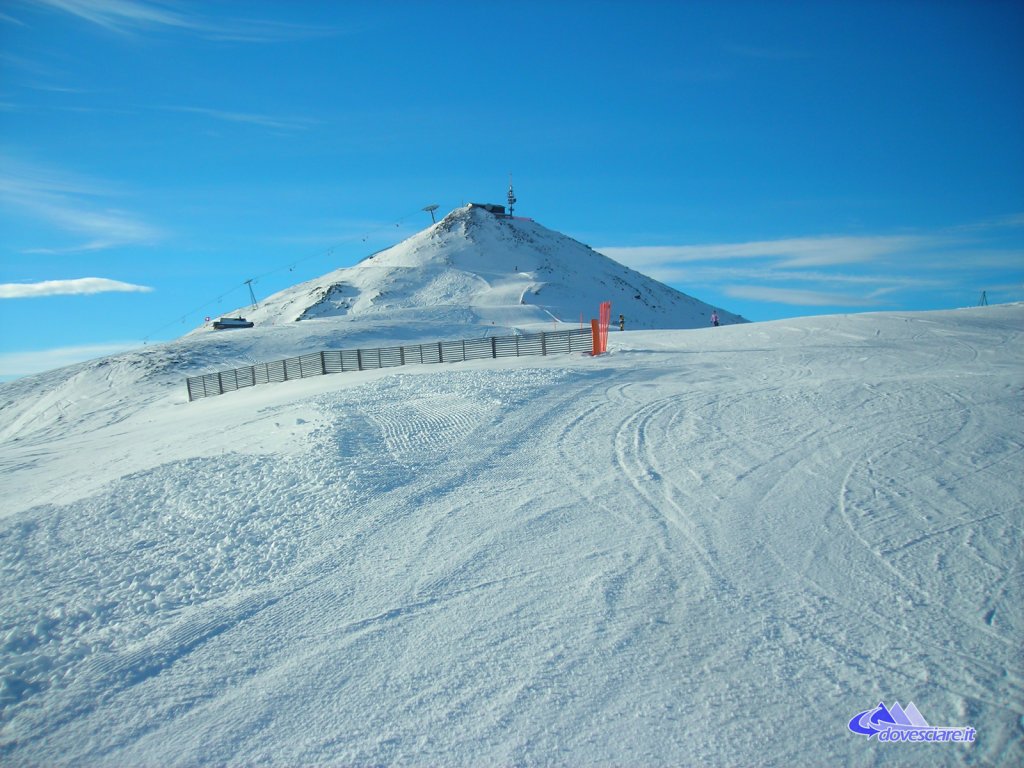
column 30, row 72
column 258, row 31
column 122, row 15
column 266, row 121
column 57, row 88
column 974, row 259
column 74, row 205
column 109, row 228
column 6, row 19
column 1015, row 288
column 136, row 16
column 790, row 252
column 16, row 364
column 798, row 297
column 716, row 275
column 82, row 286
column 835, row 271
column 1009, row 221
column 31, row 67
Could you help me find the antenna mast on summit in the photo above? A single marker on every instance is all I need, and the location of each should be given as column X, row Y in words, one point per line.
column 511, row 196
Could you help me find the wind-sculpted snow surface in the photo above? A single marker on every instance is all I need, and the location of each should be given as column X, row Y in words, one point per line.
column 708, row 547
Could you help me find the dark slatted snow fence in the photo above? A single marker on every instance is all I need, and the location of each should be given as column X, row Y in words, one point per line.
column 344, row 360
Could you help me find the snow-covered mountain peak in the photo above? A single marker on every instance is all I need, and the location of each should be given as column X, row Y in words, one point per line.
column 475, row 267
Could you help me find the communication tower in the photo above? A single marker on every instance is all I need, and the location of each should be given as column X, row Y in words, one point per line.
column 511, row 196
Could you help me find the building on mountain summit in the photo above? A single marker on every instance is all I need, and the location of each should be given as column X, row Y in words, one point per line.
column 497, row 210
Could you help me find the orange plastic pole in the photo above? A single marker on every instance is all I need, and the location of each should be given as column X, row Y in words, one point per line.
column 606, row 316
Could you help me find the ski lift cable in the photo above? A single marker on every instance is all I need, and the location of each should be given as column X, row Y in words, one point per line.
column 289, row 266
column 200, row 308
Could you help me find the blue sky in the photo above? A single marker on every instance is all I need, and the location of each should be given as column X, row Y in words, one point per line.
column 776, row 159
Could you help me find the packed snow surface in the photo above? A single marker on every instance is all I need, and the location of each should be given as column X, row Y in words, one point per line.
column 709, row 547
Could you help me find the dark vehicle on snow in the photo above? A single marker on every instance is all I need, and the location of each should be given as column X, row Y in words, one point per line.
column 224, row 323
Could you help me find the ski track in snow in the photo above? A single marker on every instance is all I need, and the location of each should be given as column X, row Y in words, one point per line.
column 657, row 558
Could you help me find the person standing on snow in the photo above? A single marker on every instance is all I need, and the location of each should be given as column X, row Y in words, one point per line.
column 622, row 323
column 714, row 317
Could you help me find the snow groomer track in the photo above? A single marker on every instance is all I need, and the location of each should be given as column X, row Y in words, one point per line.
column 709, row 547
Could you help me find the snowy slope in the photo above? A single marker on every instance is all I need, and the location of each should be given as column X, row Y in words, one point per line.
column 477, row 269
column 708, row 547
